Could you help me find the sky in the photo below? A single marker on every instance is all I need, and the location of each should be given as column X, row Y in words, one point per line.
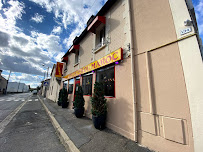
column 34, row 33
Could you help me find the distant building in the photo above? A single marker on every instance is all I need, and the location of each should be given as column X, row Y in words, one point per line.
column 15, row 87
column 45, row 87
column 54, row 86
column 3, row 84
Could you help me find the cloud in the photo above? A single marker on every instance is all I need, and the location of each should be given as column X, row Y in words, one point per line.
column 59, row 56
column 199, row 15
column 72, row 12
column 4, row 38
column 21, row 40
column 57, row 30
column 11, row 14
column 37, row 18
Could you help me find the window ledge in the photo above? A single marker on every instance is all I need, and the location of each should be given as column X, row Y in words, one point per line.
column 76, row 64
column 97, row 50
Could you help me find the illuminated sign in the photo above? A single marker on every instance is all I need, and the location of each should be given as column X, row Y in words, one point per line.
column 59, row 68
column 108, row 59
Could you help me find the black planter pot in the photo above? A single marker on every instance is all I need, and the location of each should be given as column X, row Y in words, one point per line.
column 99, row 121
column 59, row 103
column 65, row 104
column 79, row 112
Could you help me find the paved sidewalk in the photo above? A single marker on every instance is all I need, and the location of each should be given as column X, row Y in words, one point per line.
column 85, row 137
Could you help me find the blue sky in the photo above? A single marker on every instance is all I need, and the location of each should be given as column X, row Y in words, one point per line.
column 37, row 32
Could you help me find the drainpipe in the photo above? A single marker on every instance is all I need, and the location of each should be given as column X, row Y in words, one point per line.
column 133, row 71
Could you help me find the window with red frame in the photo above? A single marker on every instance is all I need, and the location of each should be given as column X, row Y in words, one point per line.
column 106, row 75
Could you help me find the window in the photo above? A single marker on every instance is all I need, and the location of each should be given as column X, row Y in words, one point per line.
column 100, row 37
column 87, row 84
column 70, row 86
column 106, row 75
column 65, row 84
column 76, row 56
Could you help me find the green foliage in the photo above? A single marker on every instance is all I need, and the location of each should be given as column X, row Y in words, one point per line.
column 98, row 101
column 60, row 98
column 79, row 100
column 64, row 95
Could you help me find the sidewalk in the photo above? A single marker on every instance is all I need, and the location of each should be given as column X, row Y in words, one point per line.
column 85, row 137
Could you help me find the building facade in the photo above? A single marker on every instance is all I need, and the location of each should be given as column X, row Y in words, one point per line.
column 147, row 54
column 54, row 86
column 17, row 87
column 3, row 84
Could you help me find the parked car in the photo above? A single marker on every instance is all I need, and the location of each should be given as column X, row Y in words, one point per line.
column 34, row 92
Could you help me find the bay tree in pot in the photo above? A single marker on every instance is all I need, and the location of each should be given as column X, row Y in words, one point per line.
column 79, row 103
column 64, row 98
column 99, row 106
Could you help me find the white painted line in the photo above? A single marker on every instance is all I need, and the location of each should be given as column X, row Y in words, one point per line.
column 36, row 99
column 30, row 100
column 5, row 122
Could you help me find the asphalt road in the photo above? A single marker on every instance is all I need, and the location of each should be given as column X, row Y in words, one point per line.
column 10, row 102
column 30, row 129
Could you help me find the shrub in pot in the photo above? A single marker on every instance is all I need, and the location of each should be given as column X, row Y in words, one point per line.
column 60, row 98
column 79, row 103
column 64, row 98
column 99, row 106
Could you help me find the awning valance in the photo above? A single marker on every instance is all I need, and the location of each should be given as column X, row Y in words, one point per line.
column 95, row 23
column 74, row 48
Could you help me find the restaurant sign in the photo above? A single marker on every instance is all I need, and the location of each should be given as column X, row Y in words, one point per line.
column 59, row 68
column 108, row 59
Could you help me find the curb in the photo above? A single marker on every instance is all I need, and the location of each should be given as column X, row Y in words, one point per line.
column 69, row 145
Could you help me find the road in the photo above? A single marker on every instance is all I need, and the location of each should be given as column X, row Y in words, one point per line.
column 30, row 129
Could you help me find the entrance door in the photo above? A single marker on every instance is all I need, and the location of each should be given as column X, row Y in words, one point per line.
column 77, row 83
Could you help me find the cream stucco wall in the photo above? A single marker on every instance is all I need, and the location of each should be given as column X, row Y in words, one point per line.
column 193, row 70
column 161, row 94
column 120, row 108
column 54, row 87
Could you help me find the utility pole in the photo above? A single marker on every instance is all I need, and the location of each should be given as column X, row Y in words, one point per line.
column 47, row 71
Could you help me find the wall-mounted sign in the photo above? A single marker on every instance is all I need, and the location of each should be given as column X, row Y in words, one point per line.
column 46, row 83
column 108, row 59
column 185, row 31
column 59, row 68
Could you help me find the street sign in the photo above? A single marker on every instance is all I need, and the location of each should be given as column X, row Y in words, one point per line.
column 46, row 83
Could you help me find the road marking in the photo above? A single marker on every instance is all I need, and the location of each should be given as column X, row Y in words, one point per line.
column 36, row 99
column 5, row 122
column 30, row 100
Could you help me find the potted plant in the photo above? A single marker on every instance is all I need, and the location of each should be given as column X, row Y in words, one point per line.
column 99, row 106
column 64, row 98
column 60, row 98
column 79, row 103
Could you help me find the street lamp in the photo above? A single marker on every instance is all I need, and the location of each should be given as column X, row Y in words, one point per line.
column 45, row 72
